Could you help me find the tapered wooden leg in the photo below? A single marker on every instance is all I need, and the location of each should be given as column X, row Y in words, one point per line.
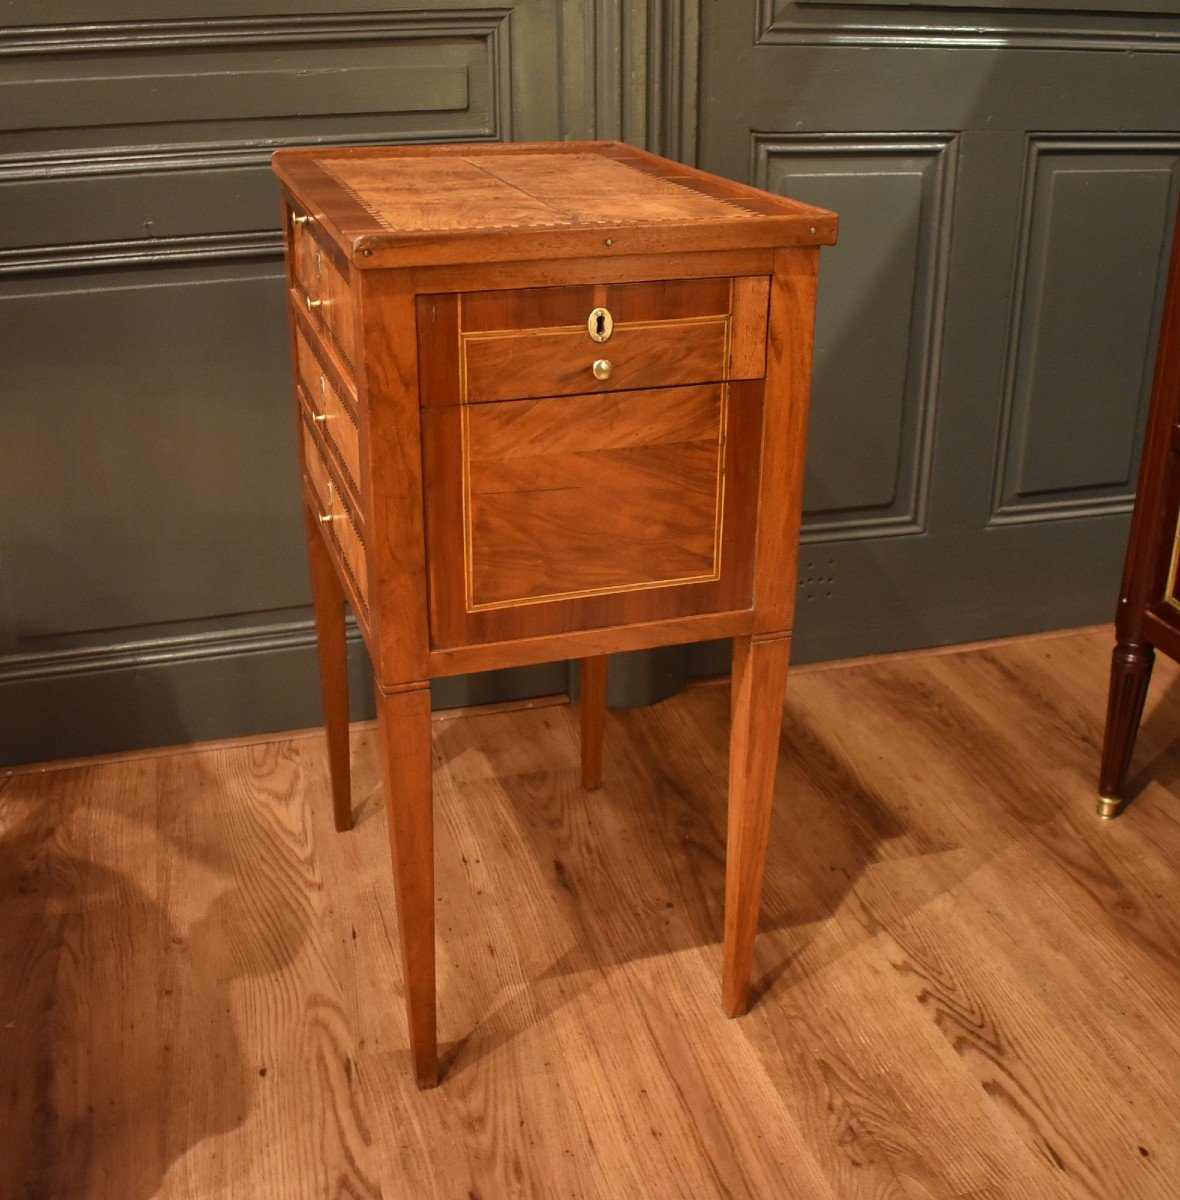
column 759, row 687
column 1130, row 673
column 593, row 703
column 404, row 719
column 327, row 596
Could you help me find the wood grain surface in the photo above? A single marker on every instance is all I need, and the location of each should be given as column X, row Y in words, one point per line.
column 967, row 986
column 403, row 720
column 532, row 342
column 387, row 392
column 320, row 277
column 757, row 689
column 403, row 205
column 553, row 515
column 559, row 362
column 600, row 493
column 784, row 442
column 335, row 514
column 334, row 411
column 498, row 191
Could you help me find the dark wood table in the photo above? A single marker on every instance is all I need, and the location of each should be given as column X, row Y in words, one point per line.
column 552, row 403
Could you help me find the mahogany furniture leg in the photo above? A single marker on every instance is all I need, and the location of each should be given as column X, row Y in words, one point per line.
column 1148, row 611
column 1130, row 673
column 759, row 688
column 593, row 703
column 327, row 595
column 404, row 720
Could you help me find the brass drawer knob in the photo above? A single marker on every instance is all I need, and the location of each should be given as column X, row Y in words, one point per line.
column 601, row 368
column 298, row 219
column 312, row 305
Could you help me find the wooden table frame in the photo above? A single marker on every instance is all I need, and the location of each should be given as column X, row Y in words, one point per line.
column 1149, row 599
column 397, row 622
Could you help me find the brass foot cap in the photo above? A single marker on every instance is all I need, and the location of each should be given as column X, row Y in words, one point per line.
column 1109, row 808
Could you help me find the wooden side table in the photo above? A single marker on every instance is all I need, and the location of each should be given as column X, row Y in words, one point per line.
column 552, row 403
column 1149, row 600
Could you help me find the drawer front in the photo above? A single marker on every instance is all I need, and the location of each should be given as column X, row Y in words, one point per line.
column 337, row 520
column 324, row 291
column 484, row 347
column 334, row 415
column 506, row 366
column 349, row 542
column 560, row 513
column 316, row 469
column 627, row 496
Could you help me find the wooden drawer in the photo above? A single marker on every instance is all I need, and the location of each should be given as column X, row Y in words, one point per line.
column 560, row 513
column 315, row 469
column 348, row 539
column 332, row 411
column 626, row 495
column 324, row 291
column 337, row 519
column 482, row 347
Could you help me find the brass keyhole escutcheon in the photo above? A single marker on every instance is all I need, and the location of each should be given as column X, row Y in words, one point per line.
column 600, row 324
column 601, row 368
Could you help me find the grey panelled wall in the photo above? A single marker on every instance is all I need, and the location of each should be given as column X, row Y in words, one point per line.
column 152, row 579
column 1006, row 178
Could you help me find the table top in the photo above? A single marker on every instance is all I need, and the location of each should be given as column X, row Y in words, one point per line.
column 399, row 205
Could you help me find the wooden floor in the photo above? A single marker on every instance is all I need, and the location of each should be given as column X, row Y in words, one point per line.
column 967, row 985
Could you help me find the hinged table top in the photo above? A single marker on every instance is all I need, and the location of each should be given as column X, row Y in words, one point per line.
column 418, row 205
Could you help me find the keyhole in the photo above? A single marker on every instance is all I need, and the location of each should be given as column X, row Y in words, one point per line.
column 599, row 324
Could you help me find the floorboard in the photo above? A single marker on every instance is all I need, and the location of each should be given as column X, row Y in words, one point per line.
column 966, row 986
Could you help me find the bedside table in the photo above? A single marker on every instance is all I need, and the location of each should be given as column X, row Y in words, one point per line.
column 552, row 403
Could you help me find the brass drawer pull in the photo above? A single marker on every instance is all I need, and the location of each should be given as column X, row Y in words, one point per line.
column 601, row 368
column 326, row 518
column 600, row 324
column 312, row 305
column 298, row 219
